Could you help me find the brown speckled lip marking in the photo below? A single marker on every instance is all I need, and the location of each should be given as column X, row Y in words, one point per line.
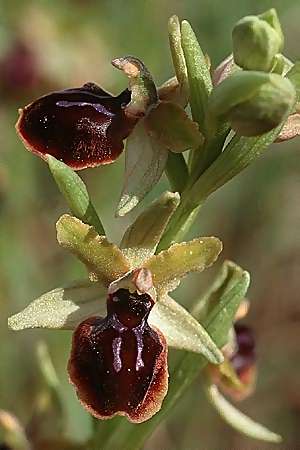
column 119, row 364
column 83, row 127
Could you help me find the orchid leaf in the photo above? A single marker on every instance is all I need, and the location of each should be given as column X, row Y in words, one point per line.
column 170, row 125
column 75, row 192
column 142, row 237
column 145, row 162
column 103, row 259
column 182, row 330
column 63, row 307
column 169, row 266
column 236, row 419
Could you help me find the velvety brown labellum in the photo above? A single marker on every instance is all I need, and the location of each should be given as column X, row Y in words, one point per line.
column 119, row 364
column 83, row 127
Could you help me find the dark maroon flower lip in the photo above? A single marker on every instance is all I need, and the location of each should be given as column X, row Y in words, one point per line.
column 83, row 127
column 118, row 365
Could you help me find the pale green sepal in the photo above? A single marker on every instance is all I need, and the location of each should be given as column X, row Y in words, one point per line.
column 142, row 237
column 200, row 84
column 182, row 330
column 170, row 125
column 144, row 165
column 178, row 58
column 104, row 260
column 169, row 266
column 294, row 76
column 64, row 307
column 238, row 420
column 75, row 192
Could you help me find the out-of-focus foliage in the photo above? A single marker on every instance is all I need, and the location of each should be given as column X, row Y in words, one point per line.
column 47, row 45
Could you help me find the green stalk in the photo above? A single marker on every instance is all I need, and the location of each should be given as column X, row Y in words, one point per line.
column 177, row 171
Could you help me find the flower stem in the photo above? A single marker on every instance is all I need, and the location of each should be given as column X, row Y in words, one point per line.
column 177, row 171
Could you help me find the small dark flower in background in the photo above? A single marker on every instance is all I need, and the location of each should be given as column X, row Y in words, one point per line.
column 243, row 360
column 119, row 364
column 19, row 70
column 83, row 127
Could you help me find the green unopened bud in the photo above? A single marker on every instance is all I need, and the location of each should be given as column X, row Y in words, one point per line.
column 256, row 40
column 252, row 102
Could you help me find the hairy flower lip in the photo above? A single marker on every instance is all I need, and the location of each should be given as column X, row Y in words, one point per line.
column 83, row 127
column 118, row 365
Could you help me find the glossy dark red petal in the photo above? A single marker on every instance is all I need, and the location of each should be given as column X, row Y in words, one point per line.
column 83, row 127
column 119, row 364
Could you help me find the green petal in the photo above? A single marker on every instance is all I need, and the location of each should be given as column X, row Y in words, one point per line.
column 170, row 125
column 237, row 420
column 142, row 237
column 145, row 162
column 169, row 266
column 200, row 84
column 63, row 307
column 178, row 58
column 182, row 330
column 104, row 260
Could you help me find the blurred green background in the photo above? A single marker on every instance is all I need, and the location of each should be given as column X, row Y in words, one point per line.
column 46, row 45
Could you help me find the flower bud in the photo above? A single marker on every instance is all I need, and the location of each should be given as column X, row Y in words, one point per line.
column 253, row 102
column 256, row 40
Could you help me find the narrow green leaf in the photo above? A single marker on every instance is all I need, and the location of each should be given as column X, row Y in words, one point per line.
column 144, row 165
column 75, row 192
column 200, row 84
column 63, row 307
column 182, row 330
column 169, row 266
column 236, row 419
column 142, row 237
column 103, row 259
column 170, row 125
